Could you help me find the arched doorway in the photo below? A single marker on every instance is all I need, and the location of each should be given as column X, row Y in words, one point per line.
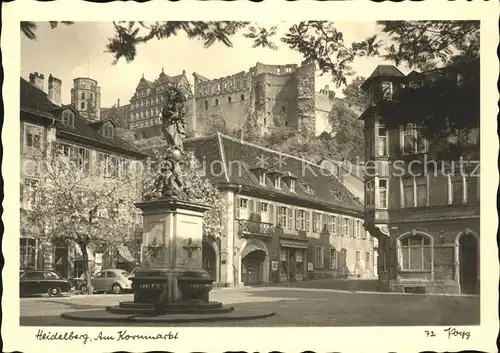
column 209, row 260
column 253, row 267
column 468, row 256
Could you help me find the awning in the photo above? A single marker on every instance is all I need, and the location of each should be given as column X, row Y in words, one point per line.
column 125, row 253
column 252, row 247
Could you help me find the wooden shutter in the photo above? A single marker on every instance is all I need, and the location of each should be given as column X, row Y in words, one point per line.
column 339, row 225
column 308, row 220
column 271, row 213
column 278, row 215
column 290, row 218
column 237, row 208
column 324, row 226
column 297, row 222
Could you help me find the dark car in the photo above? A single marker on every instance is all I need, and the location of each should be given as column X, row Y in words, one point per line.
column 44, row 281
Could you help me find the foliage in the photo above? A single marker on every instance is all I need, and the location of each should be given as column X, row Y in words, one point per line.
column 88, row 205
column 195, row 178
column 354, row 95
column 347, row 133
column 425, row 44
column 444, row 103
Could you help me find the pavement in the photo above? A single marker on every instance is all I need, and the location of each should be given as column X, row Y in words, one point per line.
column 293, row 307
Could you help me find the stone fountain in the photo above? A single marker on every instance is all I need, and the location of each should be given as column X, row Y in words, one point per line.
column 172, row 286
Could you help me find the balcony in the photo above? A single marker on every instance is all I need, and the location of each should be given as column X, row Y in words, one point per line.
column 252, row 228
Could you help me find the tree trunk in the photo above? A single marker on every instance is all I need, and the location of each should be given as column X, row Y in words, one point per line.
column 86, row 268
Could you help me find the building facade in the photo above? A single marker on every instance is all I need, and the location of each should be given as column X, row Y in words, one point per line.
column 120, row 113
column 147, row 102
column 86, row 97
column 44, row 120
column 286, row 219
column 426, row 216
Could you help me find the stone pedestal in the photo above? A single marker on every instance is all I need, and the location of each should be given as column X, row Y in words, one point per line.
column 172, row 280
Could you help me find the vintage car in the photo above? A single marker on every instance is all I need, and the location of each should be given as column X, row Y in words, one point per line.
column 110, row 280
column 43, row 281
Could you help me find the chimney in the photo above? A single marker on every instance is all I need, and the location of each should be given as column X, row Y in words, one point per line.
column 54, row 94
column 118, row 103
column 183, row 72
column 37, row 79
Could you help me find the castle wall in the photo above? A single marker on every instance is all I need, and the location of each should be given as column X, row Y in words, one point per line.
column 269, row 94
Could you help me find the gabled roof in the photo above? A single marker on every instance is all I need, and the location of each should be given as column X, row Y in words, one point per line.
column 37, row 104
column 229, row 161
column 383, row 71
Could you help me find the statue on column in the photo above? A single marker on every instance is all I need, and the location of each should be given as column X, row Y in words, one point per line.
column 172, row 182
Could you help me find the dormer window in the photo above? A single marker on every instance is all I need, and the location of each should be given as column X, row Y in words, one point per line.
column 108, row 130
column 68, row 118
column 277, row 182
column 308, row 188
column 292, row 185
column 262, row 178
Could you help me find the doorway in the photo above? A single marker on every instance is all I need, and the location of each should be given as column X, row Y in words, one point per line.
column 469, row 264
column 253, row 267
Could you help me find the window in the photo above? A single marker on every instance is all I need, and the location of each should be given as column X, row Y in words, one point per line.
column 421, row 190
column 82, row 105
column 108, row 130
column 229, row 99
column 357, row 228
column 218, row 87
column 264, row 207
column 370, row 195
column 108, row 165
column 83, row 95
column 472, row 183
column 262, row 178
column 457, row 189
column 308, row 188
column 382, row 193
column 345, row 226
column 387, row 90
column 408, row 194
column 67, row 118
column 283, row 109
column 381, row 141
column 28, row 194
column 316, row 222
column 300, row 219
column 332, row 229
column 333, row 259
column 358, row 257
column 242, row 97
column 91, row 96
column 292, row 185
column 277, row 182
column 319, row 257
column 412, row 140
column 278, row 71
column 416, row 252
column 216, row 102
column 288, row 70
column 282, row 216
column 368, row 263
column 206, row 105
column 32, row 136
column 243, row 208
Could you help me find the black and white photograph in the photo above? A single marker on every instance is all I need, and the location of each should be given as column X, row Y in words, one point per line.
column 182, row 175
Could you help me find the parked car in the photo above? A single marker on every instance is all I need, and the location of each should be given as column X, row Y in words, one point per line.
column 132, row 274
column 110, row 280
column 43, row 281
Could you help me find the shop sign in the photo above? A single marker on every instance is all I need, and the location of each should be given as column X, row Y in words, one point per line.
column 293, row 243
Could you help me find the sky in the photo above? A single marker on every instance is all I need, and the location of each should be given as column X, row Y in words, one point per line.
column 78, row 50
